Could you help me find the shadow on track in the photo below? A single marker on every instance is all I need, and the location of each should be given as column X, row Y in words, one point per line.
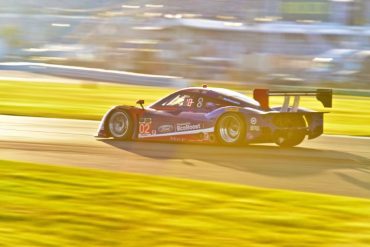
column 355, row 181
column 259, row 159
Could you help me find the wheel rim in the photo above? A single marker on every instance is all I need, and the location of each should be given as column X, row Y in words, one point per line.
column 118, row 124
column 230, row 129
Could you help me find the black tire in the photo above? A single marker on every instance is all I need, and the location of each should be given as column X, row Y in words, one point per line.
column 292, row 132
column 120, row 125
column 230, row 129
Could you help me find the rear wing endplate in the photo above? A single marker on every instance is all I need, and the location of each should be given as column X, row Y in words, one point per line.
column 325, row 96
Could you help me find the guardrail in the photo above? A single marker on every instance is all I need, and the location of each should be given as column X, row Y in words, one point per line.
column 96, row 74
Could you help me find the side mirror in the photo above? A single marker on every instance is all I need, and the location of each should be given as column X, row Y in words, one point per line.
column 141, row 103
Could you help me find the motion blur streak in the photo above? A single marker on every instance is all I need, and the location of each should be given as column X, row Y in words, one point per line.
column 269, row 41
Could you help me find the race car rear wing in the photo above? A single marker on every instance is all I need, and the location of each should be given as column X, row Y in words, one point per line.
column 262, row 96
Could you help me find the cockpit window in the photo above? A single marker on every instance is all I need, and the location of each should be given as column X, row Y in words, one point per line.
column 179, row 100
column 176, row 101
column 198, row 99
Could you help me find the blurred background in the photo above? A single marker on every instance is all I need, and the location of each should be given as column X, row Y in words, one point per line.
column 289, row 42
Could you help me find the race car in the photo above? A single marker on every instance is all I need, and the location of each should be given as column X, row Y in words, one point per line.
column 217, row 115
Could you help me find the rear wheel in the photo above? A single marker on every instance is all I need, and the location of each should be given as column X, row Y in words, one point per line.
column 120, row 125
column 230, row 129
column 292, row 131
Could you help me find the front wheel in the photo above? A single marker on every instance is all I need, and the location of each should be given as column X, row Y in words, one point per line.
column 230, row 129
column 120, row 125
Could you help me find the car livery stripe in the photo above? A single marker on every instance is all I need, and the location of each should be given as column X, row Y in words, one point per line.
column 190, row 132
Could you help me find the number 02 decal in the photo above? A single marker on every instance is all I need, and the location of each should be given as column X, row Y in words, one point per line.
column 144, row 128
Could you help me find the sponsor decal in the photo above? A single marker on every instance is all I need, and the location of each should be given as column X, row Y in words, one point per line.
column 145, row 120
column 187, row 126
column 255, row 128
column 253, row 120
column 145, row 125
column 165, row 128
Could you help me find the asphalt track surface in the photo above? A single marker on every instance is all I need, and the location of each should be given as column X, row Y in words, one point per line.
column 329, row 164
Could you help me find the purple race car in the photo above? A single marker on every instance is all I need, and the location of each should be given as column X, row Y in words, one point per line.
column 215, row 115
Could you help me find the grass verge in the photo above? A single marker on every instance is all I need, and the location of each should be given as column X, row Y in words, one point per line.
column 350, row 114
column 57, row 206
